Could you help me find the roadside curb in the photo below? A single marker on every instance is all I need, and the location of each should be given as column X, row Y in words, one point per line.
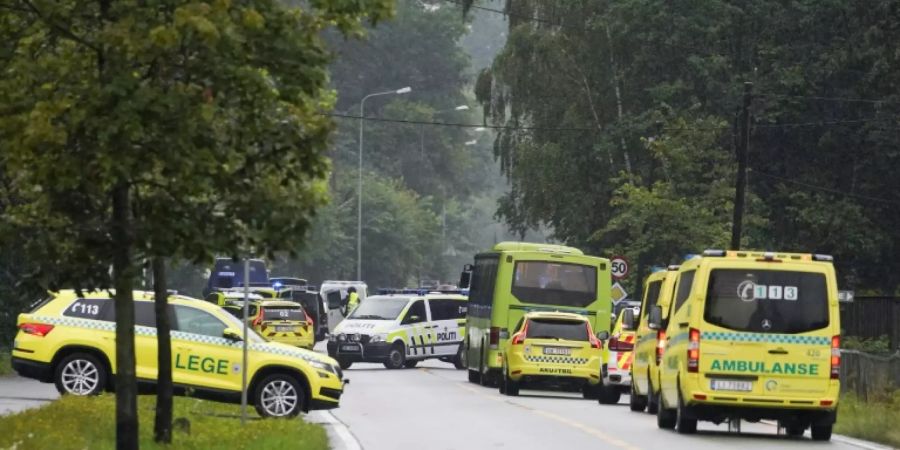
column 339, row 435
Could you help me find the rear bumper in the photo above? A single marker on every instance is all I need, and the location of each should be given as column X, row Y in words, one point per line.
column 720, row 413
column 33, row 369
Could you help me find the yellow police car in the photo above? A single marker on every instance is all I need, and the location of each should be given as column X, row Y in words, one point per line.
column 69, row 339
column 649, row 340
column 553, row 350
column 751, row 336
column 281, row 321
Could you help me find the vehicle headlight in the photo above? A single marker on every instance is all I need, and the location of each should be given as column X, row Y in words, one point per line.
column 342, row 337
column 321, row 365
column 378, row 338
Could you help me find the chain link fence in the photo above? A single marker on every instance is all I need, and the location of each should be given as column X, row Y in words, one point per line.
column 868, row 376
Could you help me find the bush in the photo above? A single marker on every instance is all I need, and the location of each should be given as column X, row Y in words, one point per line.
column 874, row 421
column 5, row 363
column 89, row 422
column 879, row 345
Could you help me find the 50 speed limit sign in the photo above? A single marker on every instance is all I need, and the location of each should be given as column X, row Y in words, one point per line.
column 618, row 267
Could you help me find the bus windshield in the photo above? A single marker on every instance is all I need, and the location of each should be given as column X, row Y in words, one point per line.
column 553, row 283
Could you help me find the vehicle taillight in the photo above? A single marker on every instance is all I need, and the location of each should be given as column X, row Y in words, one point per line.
column 835, row 357
column 693, row 362
column 595, row 343
column 660, row 345
column 519, row 338
column 620, row 346
column 495, row 337
column 37, row 329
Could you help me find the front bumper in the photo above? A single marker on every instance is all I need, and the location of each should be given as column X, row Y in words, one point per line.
column 362, row 352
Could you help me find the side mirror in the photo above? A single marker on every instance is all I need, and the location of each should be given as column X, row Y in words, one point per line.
column 232, row 335
column 654, row 321
column 603, row 335
column 465, row 278
column 628, row 319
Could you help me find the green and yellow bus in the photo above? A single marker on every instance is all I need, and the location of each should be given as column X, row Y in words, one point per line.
column 517, row 277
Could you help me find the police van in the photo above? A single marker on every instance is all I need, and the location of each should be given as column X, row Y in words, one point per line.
column 751, row 336
column 401, row 330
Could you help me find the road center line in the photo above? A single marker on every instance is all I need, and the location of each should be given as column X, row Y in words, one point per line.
column 555, row 417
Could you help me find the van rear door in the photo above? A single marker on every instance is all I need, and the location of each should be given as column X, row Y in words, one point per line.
column 771, row 326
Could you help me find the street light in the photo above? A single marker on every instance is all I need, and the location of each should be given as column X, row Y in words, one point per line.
column 422, row 126
column 362, row 116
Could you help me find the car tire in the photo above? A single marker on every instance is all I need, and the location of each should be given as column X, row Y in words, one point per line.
column 665, row 417
column 590, row 392
column 279, row 395
column 792, row 429
column 474, row 377
column 685, row 423
column 344, row 364
column 637, row 402
column 511, row 386
column 652, row 401
column 80, row 374
column 410, row 363
column 459, row 361
column 821, row 432
column 608, row 395
column 396, row 358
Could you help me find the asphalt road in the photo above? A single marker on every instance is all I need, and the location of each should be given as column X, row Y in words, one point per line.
column 435, row 407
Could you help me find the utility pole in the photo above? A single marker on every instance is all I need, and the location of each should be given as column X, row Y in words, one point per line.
column 741, row 179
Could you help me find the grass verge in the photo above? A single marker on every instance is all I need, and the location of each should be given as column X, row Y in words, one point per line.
column 79, row 423
column 5, row 364
column 874, row 421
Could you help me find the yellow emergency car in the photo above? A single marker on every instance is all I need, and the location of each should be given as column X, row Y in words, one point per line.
column 69, row 339
column 752, row 335
column 650, row 342
column 281, row 321
column 552, row 350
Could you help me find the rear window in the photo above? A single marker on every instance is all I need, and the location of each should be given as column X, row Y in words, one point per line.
column 767, row 301
column 283, row 313
column 552, row 283
column 559, row 329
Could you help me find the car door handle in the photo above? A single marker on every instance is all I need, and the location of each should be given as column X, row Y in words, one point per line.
column 683, row 324
column 778, row 351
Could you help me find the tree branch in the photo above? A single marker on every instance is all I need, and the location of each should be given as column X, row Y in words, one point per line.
column 59, row 28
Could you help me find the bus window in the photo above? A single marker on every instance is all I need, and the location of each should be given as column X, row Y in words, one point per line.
column 552, row 283
column 484, row 279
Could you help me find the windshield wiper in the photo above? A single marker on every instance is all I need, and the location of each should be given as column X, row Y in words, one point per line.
column 369, row 317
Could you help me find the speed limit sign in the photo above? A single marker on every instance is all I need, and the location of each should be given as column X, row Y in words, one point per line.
column 619, row 267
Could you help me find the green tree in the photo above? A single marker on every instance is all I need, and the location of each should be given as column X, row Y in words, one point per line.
column 119, row 117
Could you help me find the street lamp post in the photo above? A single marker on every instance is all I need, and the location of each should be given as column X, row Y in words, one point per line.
column 422, row 126
column 362, row 116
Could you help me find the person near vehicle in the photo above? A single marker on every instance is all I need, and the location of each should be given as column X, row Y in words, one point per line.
column 352, row 299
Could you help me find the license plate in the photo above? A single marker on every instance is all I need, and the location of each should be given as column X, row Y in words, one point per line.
column 731, row 385
column 284, row 328
column 349, row 348
column 557, row 351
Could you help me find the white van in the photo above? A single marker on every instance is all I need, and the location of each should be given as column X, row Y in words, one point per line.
column 334, row 295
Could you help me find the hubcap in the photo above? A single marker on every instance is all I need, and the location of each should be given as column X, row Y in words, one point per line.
column 80, row 377
column 395, row 358
column 279, row 398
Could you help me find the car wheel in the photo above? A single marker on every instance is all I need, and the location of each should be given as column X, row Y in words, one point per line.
column 344, row 363
column 685, row 423
column 80, row 374
column 652, row 401
column 792, row 429
column 821, row 432
column 410, row 364
column 637, row 402
column 460, row 360
column 474, row 377
column 512, row 386
column 665, row 417
column 609, row 395
column 279, row 395
column 396, row 358
column 590, row 392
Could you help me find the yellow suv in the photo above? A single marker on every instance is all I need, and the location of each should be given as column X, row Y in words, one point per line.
column 751, row 336
column 650, row 342
column 552, row 350
column 281, row 321
column 69, row 340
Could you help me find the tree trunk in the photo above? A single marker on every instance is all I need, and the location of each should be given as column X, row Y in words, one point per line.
column 123, row 280
column 162, row 427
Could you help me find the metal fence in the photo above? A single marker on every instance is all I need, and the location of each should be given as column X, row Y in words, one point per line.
column 870, row 377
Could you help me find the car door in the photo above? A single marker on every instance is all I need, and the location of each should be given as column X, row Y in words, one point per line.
column 202, row 357
column 676, row 337
column 145, row 341
column 448, row 320
column 414, row 325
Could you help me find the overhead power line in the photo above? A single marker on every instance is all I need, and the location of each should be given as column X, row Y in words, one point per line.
column 830, row 99
column 826, row 189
